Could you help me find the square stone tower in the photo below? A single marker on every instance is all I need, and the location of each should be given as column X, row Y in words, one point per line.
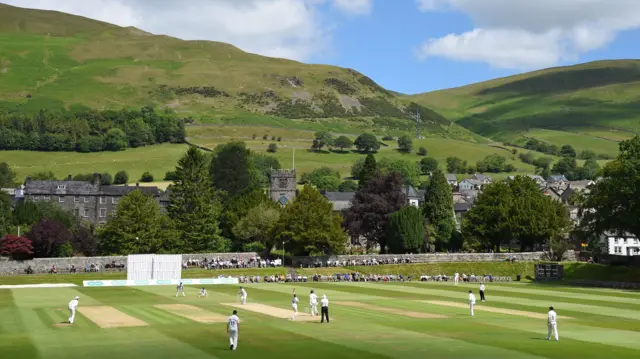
column 283, row 186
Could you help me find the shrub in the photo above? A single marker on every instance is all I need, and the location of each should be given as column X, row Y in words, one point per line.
column 146, row 177
column 265, row 137
column 253, row 136
column 279, row 139
column 106, row 179
column 17, row 248
column 272, row 148
column 170, row 176
column 122, row 177
column 387, row 138
column 422, row 151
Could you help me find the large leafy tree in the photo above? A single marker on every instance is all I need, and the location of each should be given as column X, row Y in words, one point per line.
column 309, row 226
column 232, row 169
column 405, row 143
column 17, row 248
column 139, row 227
column 343, row 142
column 516, row 209
column 368, row 171
column 84, row 240
column 405, row 231
column 322, row 139
column 410, row 171
column 371, row 207
column 47, row 237
column 255, row 228
column 194, row 206
column 611, row 204
column 7, row 176
column 236, row 208
column 262, row 165
column 367, row 143
column 438, row 209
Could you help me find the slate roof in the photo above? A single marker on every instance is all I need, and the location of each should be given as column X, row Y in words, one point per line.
column 577, row 184
column 340, row 200
column 461, row 207
column 556, row 178
column 82, row 188
column 481, row 177
column 451, row 177
column 410, row 192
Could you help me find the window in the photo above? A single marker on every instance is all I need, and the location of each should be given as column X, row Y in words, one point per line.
column 76, row 199
column 114, row 200
column 113, row 213
column 617, row 249
column 84, row 212
column 103, row 200
column 46, row 198
column 60, row 199
column 61, row 186
column 86, row 199
column 103, row 212
column 615, row 241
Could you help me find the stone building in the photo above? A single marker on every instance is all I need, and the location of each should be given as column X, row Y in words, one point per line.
column 88, row 200
column 282, row 188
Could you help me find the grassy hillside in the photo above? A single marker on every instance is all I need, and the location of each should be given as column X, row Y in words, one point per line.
column 54, row 61
column 593, row 103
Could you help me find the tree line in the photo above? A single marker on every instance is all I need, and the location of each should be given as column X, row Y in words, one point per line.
column 89, row 131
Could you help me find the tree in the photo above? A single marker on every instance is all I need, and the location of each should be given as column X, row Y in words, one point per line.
column 83, row 240
column 43, row 176
column 428, row 165
column 146, row 177
column 587, row 155
column 315, row 177
column 257, row 225
column 368, row 172
column 405, row 231
column 232, row 169
column 194, row 205
column 138, row 227
column 273, row 148
column 343, row 142
column 456, row 165
column 422, row 151
column 17, row 248
column 5, row 214
column 7, row 176
column 122, row 177
column 321, row 140
column 47, row 236
column 590, row 169
column 494, row 163
column 410, row 171
column 611, row 203
column 138, row 133
column 170, row 176
column 348, row 186
column 309, row 226
column 367, row 143
column 565, row 166
column 106, row 179
column 371, row 207
column 262, row 166
column 115, row 140
column 568, row 151
column 405, row 143
column 235, row 208
column 438, row 208
column 542, row 162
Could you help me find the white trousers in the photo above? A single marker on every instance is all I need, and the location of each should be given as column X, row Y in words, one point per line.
column 455, row 280
column 471, row 305
column 553, row 329
column 72, row 311
column 314, row 308
column 243, row 299
column 233, row 338
column 180, row 291
column 295, row 310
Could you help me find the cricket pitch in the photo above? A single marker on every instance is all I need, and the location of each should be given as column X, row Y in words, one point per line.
column 274, row 311
column 405, row 313
column 192, row 312
column 477, row 308
column 110, row 317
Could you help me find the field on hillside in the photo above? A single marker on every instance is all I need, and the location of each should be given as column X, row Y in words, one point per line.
column 400, row 320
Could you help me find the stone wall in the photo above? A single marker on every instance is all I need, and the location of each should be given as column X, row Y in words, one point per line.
column 430, row 257
column 43, row 265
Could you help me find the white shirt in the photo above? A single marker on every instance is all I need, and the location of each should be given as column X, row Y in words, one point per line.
column 243, row 292
column 294, row 301
column 324, row 302
column 203, row 291
column 313, row 298
column 482, row 287
column 472, row 298
column 233, row 323
column 457, row 275
column 552, row 317
column 73, row 303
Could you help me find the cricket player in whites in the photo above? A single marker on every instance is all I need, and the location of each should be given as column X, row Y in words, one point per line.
column 203, row 293
column 456, row 278
column 552, row 324
column 233, row 327
column 472, row 302
column 243, row 296
column 73, row 304
column 179, row 289
column 294, row 305
column 313, row 303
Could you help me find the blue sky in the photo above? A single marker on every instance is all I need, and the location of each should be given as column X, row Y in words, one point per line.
column 409, row 46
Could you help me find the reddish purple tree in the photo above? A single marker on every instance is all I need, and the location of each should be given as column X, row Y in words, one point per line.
column 47, row 236
column 18, row 248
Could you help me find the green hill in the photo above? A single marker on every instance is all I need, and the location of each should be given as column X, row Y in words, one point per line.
column 591, row 106
column 55, row 61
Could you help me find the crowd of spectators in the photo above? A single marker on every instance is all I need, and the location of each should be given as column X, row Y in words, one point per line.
column 235, row 262
column 358, row 262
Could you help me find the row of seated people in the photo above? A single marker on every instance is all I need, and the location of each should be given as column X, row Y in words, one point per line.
column 358, row 262
column 87, row 268
column 217, row 263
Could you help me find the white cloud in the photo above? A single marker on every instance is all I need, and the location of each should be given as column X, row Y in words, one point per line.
column 293, row 29
column 358, row 7
column 530, row 34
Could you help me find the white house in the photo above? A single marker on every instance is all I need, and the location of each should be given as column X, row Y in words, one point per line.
column 622, row 245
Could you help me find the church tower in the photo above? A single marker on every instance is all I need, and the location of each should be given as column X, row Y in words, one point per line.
column 283, row 186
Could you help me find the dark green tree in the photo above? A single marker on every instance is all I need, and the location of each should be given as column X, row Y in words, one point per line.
column 438, row 208
column 456, row 165
column 368, row 172
column 273, row 148
column 405, row 231
column 315, row 177
column 235, row 208
column 7, row 176
column 262, row 166
column 422, row 151
column 568, row 151
column 343, row 142
column 309, row 226
column 348, row 186
column 232, row 169
column 405, row 143
column 194, row 206
column 122, row 177
column 255, row 229
column 428, row 165
column 146, row 177
column 115, row 140
column 410, row 171
column 367, row 143
column 564, row 166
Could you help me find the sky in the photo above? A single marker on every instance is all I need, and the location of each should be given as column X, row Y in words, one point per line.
column 409, row 46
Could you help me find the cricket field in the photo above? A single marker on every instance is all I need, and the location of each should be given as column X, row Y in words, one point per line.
column 400, row 320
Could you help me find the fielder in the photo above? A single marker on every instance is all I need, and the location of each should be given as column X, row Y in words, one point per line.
column 456, row 278
column 552, row 324
column 179, row 289
column 294, row 306
column 233, row 327
column 73, row 304
column 472, row 302
column 243, row 295
column 203, row 293
column 482, row 292
column 313, row 303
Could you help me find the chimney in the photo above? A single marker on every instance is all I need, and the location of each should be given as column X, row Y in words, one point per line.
column 69, row 177
column 137, row 184
column 96, row 179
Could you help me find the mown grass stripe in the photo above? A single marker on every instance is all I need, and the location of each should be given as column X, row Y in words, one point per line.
column 151, row 315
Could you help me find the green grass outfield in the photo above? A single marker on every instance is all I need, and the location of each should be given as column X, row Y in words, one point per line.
column 601, row 323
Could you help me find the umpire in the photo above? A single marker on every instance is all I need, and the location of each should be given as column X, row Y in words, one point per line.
column 324, row 303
